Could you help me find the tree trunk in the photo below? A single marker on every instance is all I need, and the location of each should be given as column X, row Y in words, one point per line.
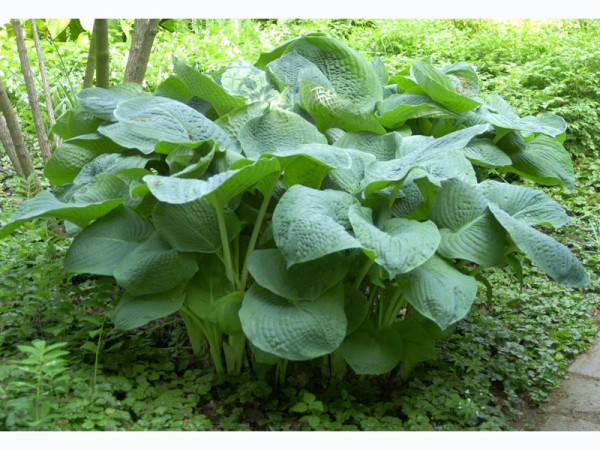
column 90, row 68
column 15, row 133
column 40, row 57
column 102, row 54
column 144, row 31
column 8, row 145
column 34, row 104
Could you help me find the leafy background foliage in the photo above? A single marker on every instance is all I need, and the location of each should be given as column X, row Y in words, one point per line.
column 483, row 370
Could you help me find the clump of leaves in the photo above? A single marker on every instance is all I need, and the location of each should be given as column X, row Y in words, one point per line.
column 309, row 204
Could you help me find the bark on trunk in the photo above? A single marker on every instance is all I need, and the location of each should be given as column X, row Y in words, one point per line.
column 102, row 54
column 90, row 68
column 15, row 133
column 34, row 104
column 144, row 31
column 10, row 148
column 44, row 78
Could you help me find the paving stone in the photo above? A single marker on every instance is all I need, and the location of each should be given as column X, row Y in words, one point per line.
column 588, row 364
column 578, row 395
column 565, row 423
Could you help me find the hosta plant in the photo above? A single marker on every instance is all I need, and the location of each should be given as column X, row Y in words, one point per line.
column 307, row 205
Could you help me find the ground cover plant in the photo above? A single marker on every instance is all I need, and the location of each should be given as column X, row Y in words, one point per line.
column 377, row 226
column 486, row 394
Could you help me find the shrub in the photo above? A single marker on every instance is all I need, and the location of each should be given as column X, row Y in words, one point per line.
column 306, row 205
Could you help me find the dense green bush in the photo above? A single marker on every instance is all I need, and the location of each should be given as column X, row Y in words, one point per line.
column 310, row 203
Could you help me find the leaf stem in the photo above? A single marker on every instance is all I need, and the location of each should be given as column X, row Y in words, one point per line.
column 231, row 272
column 254, row 236
column 363, row 273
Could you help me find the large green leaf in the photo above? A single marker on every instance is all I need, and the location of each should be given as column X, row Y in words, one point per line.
column 86, row 207
column 499, row 113
column 109, row 163
column 400, row 245
column 102, row 102
column 372, row 351
column 309, row 224
column 170, row 121
column 332, row 110
column 66, row 162
column 275, row 129
column 243, row 79
column 439, row 291
column 235, row 120
column 383, row 147
column 154, row 267
column 552, row 257
column 192, row 226
column 204, row 87
column 294, row 330
column 542, row 159
column 207, row 286
column 351, row 180
column 351, row 75
column 101, row 246
column 136, row 311
column 440, row 88
column 220, row 187
column 437, row 159
column 464, row 79
column 305, row 281
column 395, row 110
column 529, row 206
column 483, row 152
column 127, row 138
column 76, row 122
column 468, row 229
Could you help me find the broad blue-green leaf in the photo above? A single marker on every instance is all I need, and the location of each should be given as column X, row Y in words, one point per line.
column 197, row 169
column 440, row 159
column 102, row 102
column 309, row 224
column 294, row 330
column 499, row 113
column 464, row 78
column 207, row 286
column 155, row 267
column 543, row 160
column 380, row 70
column 108, row 163
column 468, row 229
column 356, row 306
column 400, row 245
column 372, row 351
column 306, row 281
column 192, row 226
column 440, row 88
column 275, row 129
column 552, row 257
column 204, row 87
column 415, row 199
column 483, row 152
column 395, row 110
column 101, row 246
column 170, row 121
column 243, row 79
column 76, row 122
column 220, row 187
column 439, row 291
column 351, row 180
column 291, row 68
column 127, row 138
column 225, row 313
column 529, row 206
column 80, row 212
column 332, row 110
column 136, row 311
column 235, row 120
column 66, row 162
column 418, row 343
column 382, row 146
